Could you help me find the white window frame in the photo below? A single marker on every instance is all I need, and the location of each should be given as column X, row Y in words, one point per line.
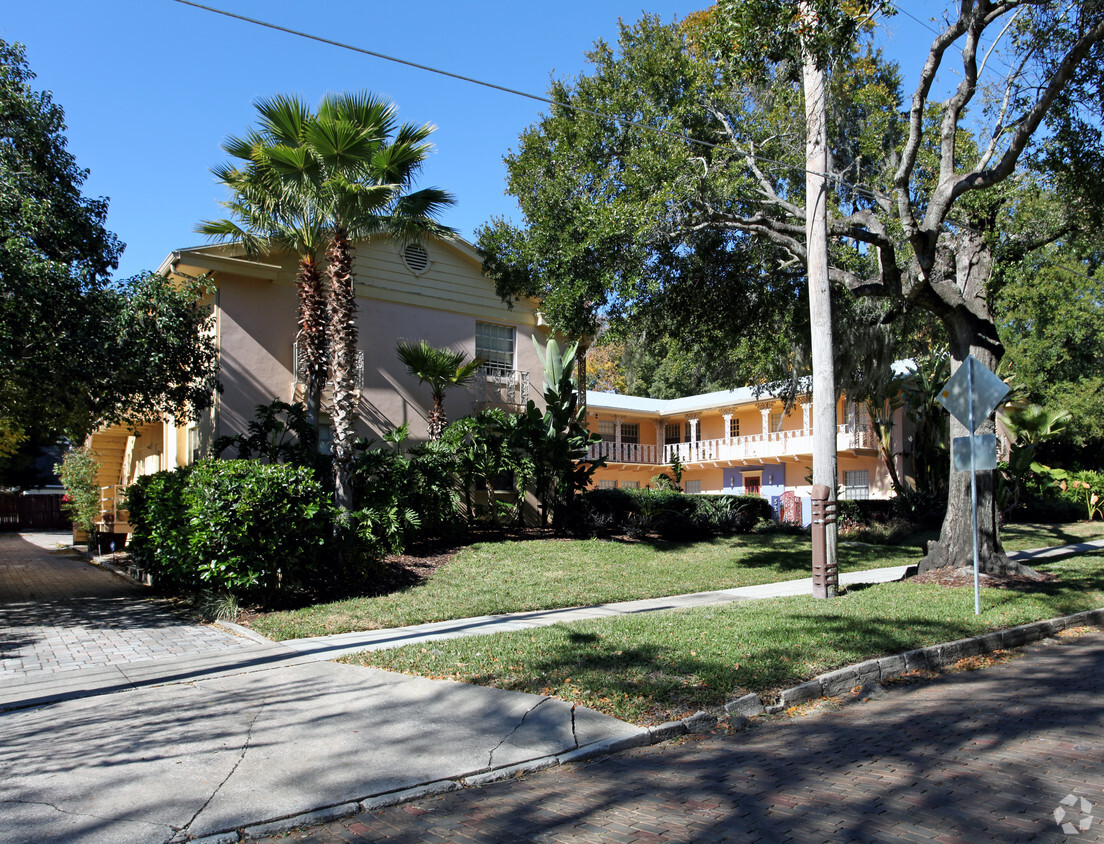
column 692, row 487
column 496, row 344
column 607, row 430
column 630, row 433
column 856, row 484
column 607, row 483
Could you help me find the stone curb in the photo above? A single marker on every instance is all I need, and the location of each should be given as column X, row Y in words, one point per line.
column 873, row 671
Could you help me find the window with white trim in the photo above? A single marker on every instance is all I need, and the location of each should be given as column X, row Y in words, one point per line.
column 734, row 427
column 673, row 433
column 630, row 484
column 607, row 430
column 494, row 345
column 193, row 444
column 776, row 421
column 692, row 487
column 856, row 484
column 607, row 483
column 630, row 432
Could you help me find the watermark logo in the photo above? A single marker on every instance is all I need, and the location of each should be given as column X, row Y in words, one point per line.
column 1074, row 821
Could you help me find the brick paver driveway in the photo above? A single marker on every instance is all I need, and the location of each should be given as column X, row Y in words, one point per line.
column 977, row 756
column 58, row 613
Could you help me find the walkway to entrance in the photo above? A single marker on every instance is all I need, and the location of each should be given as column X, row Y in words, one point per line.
column 57, row 612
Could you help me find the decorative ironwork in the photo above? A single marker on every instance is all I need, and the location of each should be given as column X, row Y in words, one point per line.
column 497, row 385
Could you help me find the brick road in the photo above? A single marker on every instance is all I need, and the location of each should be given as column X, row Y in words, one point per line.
column 59, row 613
column 976, row 756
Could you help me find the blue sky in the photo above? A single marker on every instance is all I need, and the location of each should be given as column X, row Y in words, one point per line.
column 150, row 88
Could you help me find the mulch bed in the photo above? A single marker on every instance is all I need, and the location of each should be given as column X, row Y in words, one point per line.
column 965, row 577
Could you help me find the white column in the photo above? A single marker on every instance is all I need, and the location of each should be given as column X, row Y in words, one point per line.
column 806, row 417
column 661, row 440
column 693, row 422
column 765, row 410
column 617, row 431
column 727, row 427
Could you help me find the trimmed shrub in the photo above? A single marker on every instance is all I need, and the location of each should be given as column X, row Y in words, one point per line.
column 234, row 526
column 668, row 514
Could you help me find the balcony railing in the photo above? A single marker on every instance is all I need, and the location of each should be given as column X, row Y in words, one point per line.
column 493, row 385
column 754, row 447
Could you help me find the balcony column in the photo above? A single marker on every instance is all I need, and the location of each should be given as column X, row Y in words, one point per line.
column 765, row 410
column 727, row 416
column 806, row 417
column 661, row 440
column 692, row 421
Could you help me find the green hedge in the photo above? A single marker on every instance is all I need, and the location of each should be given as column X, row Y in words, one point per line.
column 665, row 513
column 235, row 526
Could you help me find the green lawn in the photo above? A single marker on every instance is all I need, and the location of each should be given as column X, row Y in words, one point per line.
column 655, row 667
column 501, row 577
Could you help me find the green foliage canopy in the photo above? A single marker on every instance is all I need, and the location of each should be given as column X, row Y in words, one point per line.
column 77, row 350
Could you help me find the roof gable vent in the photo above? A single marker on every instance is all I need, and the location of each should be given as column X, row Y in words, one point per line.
column 416, row 258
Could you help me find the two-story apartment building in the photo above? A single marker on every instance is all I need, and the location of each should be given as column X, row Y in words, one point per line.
column 734, row 441
column 434, row 290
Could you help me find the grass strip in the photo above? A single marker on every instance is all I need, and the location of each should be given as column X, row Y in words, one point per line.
column 502, row 577
column 655, row 667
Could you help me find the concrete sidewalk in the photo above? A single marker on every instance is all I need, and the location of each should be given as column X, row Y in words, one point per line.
column 245, row 731
column 216, row 739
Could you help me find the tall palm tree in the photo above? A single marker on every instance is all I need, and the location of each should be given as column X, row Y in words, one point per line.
column 273, row 206
column 329, row 177
column 442, row 369
column 365, row 191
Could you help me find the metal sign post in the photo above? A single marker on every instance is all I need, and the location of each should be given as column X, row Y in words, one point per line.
column 970, row 395
column 973, row 489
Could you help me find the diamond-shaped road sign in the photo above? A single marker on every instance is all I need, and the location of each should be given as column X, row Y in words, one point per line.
column 973, row 384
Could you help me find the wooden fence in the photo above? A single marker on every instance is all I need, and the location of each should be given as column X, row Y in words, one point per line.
column 32, row 512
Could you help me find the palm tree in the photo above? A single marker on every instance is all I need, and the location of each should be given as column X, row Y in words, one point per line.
column 364, row 191
column 273, row 206
column 329, row 177
column 441, row 369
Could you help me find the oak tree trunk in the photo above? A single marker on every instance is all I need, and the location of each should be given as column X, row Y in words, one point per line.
column 971, row 330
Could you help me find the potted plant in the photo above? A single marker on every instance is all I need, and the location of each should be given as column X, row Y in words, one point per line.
column 79, row 472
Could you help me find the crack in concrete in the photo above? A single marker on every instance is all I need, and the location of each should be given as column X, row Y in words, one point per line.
column 62, row 811
column 241, row 756
column 518, row 726
column 574, row 735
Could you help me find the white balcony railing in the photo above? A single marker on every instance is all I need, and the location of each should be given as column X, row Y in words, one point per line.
column 494, row 385
column 754, row 447
column 627, row 453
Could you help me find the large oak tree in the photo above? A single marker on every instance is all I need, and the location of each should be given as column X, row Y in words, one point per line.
column 915, row 202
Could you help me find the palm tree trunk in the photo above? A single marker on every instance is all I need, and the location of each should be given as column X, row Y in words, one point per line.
column 343, row 350
column 312, row 335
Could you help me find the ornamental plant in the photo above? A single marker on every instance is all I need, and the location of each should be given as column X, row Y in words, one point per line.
column 79, row 472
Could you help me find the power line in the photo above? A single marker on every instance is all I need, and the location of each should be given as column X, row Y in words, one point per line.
column 472, row 80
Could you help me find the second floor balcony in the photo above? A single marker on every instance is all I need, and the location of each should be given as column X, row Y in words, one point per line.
column 774, row 445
